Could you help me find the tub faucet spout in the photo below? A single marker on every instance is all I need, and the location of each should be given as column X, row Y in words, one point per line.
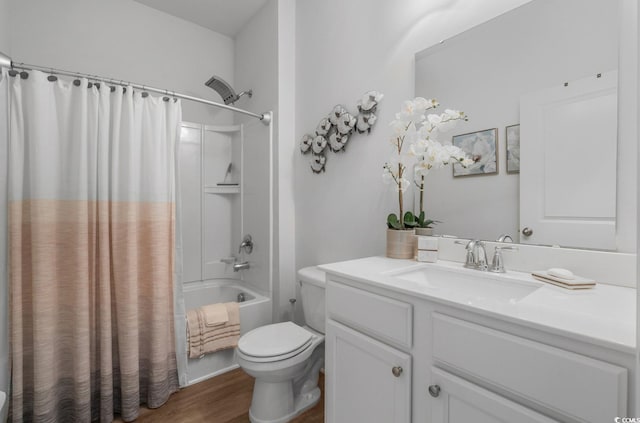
column 241, row 266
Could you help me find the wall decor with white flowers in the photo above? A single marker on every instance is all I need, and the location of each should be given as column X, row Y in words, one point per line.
column 333, row 131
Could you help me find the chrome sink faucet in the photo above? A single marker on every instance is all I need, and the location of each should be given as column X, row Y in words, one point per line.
column 476, row 254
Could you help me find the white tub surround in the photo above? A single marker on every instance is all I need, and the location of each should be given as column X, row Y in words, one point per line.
column 498, row 346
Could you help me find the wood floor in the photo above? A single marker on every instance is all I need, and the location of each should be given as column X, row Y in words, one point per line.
column 222, row 399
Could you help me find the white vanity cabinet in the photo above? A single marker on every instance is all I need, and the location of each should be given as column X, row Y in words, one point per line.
column 396, row 357
column 367, row 380
column 561, row 382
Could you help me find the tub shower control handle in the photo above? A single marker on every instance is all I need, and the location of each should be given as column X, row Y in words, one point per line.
column 434, row 391
column 397, row 371
column 246, row 245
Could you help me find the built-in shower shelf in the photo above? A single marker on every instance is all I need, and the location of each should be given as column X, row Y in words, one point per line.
column 222, row 189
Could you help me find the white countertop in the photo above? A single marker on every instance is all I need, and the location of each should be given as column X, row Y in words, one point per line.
column 604, row 315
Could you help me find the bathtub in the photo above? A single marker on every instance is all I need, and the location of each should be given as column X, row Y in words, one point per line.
column 255, row 311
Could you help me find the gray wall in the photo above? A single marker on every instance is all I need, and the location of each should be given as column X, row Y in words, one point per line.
column 344, row 49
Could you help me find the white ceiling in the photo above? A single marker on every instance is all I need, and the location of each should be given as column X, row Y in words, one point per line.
column 224, row 16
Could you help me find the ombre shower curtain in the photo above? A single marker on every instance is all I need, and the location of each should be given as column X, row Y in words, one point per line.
column 91, row 249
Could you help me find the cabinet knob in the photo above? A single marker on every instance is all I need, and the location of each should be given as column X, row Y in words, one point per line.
column 397, row 371
column 434, row 391
column 527, row 232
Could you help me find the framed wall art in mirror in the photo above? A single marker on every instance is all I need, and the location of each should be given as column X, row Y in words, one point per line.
column 512, row 143
column 482, row 148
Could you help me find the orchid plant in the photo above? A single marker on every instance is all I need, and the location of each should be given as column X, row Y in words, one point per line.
column 413, row 127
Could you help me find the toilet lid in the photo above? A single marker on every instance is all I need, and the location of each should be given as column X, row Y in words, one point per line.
column 275, row 340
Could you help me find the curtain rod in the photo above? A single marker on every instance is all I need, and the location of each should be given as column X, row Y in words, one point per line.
column 6, row 62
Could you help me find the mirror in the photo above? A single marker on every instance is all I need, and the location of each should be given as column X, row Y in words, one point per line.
column 485, row 72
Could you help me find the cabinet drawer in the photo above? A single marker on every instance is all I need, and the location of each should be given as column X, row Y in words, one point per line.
column 384, row 318
column 571, row 384
column 458, row 400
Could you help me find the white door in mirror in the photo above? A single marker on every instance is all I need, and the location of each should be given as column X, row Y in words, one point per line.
column 569, row 201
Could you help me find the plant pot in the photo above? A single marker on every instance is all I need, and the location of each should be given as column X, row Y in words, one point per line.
column 424, row 231
column 401, row 243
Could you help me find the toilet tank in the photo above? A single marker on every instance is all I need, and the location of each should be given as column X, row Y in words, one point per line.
column 312, row 287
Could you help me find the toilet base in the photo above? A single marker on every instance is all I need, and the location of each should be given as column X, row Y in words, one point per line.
column 279, row 401
column 302, row 403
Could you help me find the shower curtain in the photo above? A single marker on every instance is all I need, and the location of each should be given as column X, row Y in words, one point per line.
column 91, row 241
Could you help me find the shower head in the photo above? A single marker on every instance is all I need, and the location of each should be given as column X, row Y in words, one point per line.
column 225, row 90
column 5, row 61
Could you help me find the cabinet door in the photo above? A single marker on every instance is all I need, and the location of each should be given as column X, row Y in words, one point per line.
column 459, row 401
column 367, row 381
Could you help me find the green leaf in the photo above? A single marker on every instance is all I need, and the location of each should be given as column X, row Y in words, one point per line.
column 393, row 222
column 408, row 216
column 427, row 223
column 422, row 222
column 410, row 220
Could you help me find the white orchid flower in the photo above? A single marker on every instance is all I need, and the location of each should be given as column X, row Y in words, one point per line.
column 422, row 104
column 454, row 114
column 403, row 185
column 418, row 148
column 410, row 113
column 434, row 119
column 425, row 131
column 421, row 169
column 411, row 135
column 444, row 122
column 399, row 127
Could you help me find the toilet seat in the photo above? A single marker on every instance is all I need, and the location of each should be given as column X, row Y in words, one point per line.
column 275, row 342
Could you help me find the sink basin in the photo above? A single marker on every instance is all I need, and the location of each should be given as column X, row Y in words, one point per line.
column 470, row 286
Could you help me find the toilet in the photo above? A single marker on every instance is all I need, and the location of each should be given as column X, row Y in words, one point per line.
column 285, row 358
